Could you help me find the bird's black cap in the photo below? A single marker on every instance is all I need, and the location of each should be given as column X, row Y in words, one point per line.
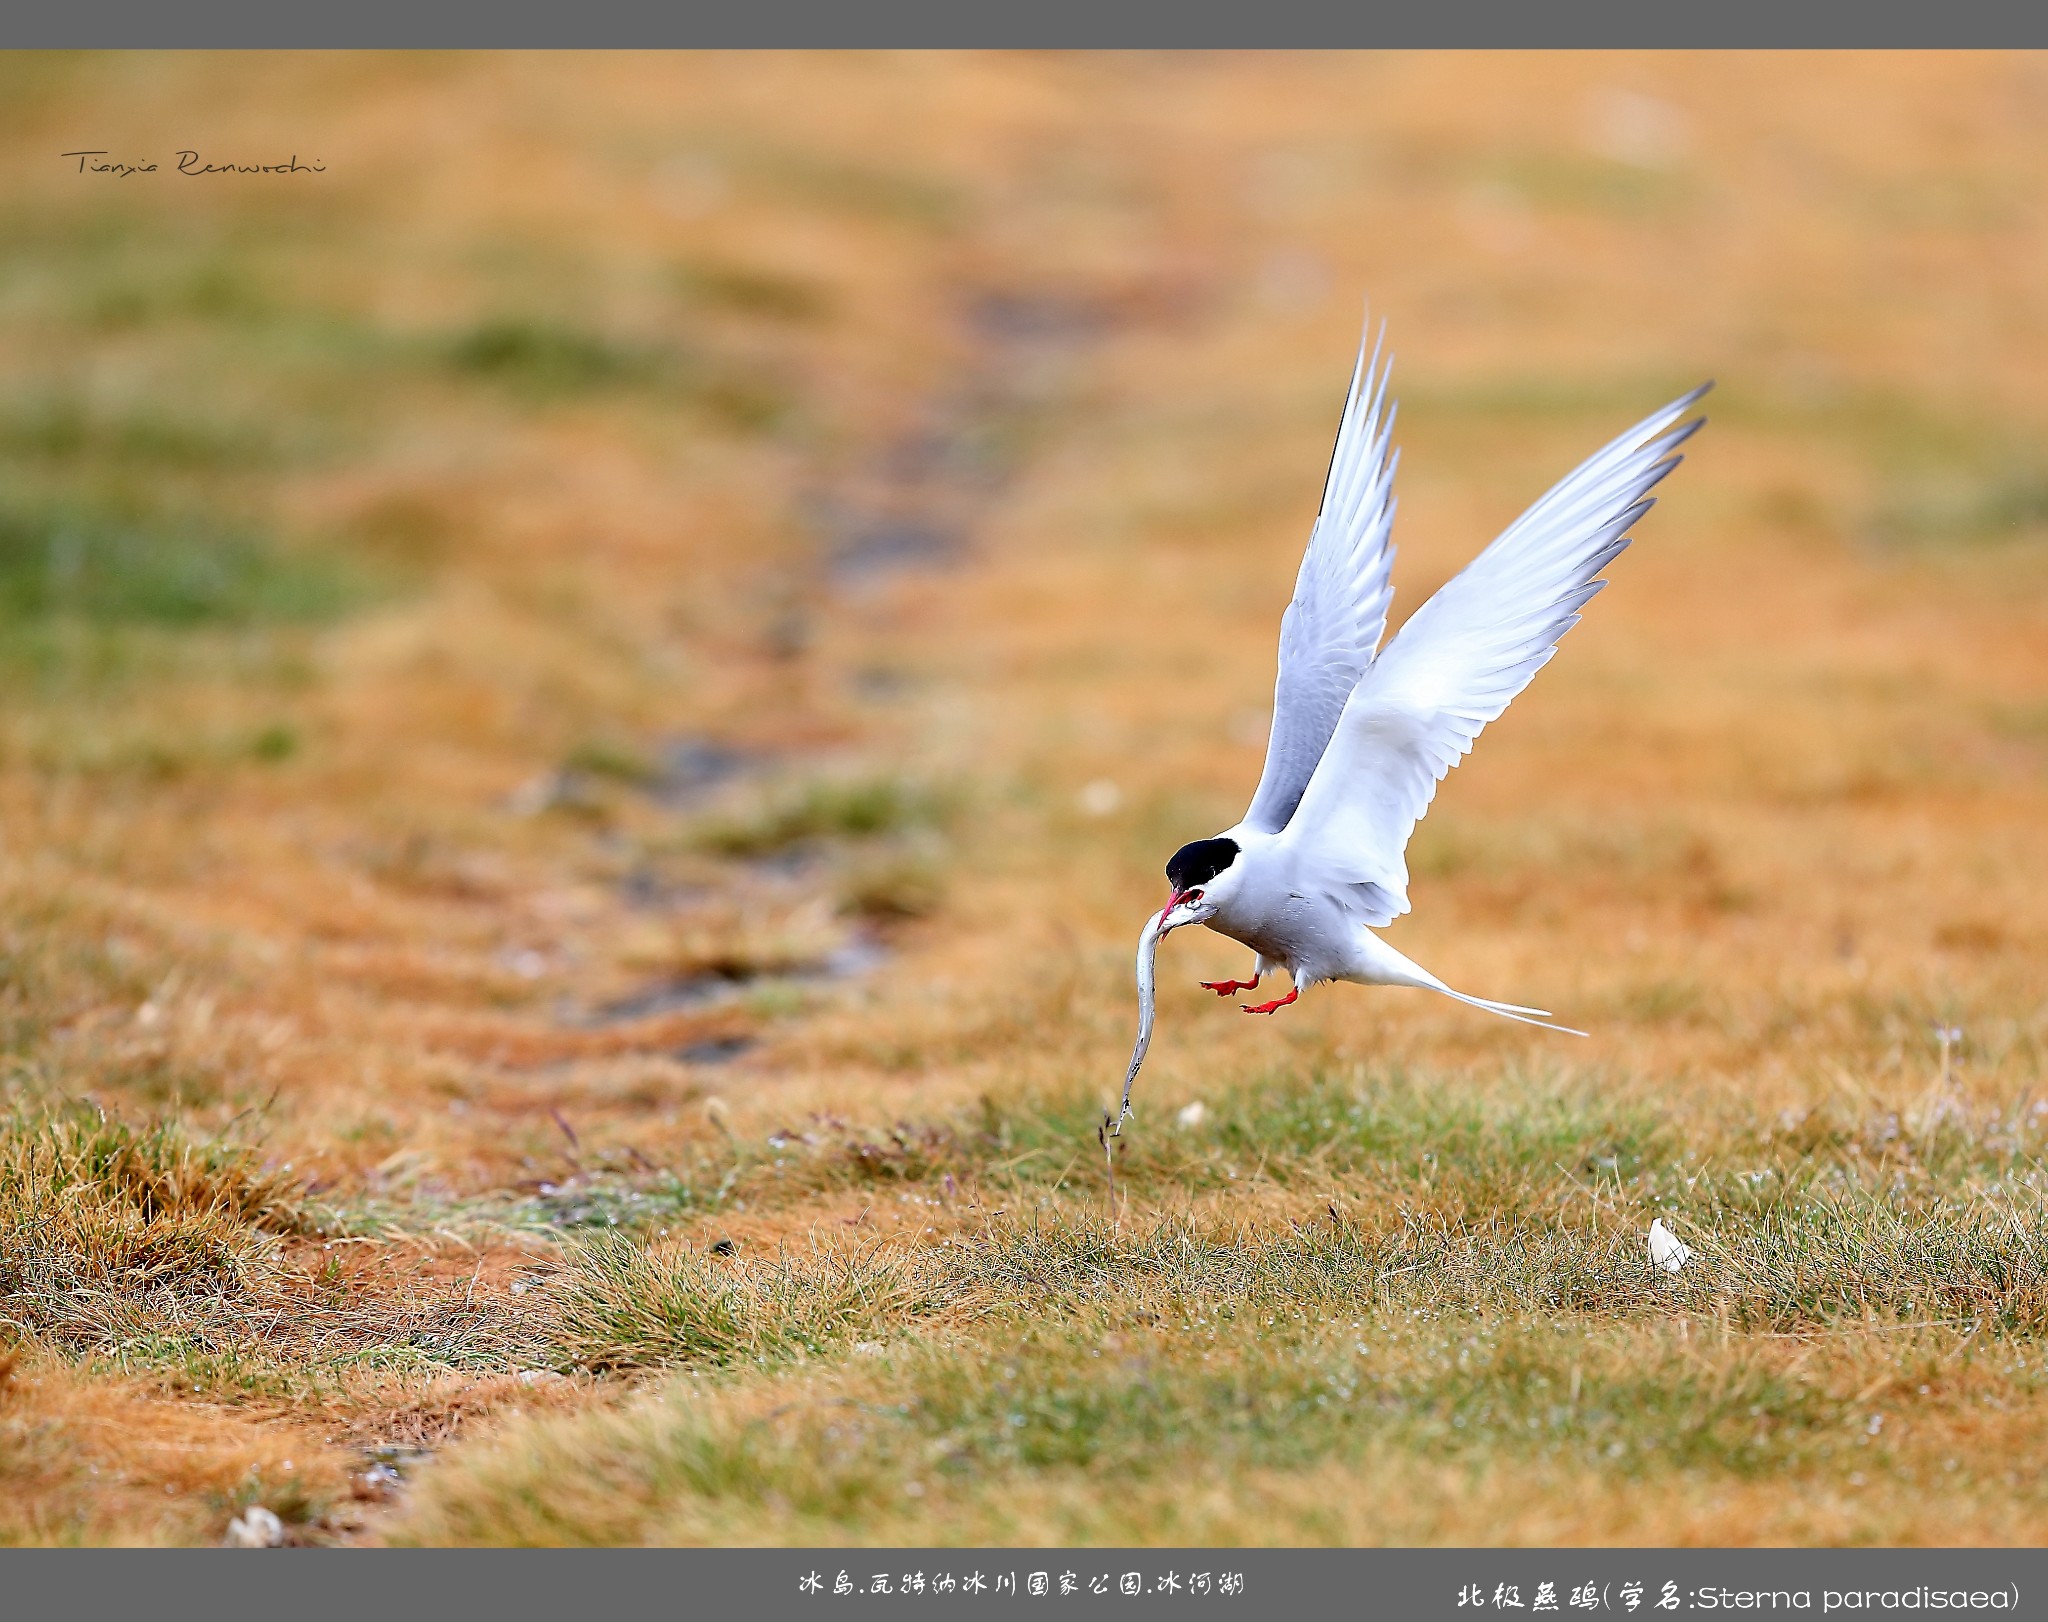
column 1200, row 862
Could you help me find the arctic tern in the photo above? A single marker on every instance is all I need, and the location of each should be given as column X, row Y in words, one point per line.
column 1362, row 735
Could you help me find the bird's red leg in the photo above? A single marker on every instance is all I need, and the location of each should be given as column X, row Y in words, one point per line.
column 1271, row 1007
column 1224, row 988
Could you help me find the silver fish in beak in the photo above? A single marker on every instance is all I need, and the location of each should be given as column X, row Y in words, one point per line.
column 1157, row 927
column 1148, row 954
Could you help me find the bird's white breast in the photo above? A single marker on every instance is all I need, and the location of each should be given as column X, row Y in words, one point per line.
column 1281, row 919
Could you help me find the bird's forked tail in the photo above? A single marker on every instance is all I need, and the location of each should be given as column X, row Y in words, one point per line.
column 1511, row 1010
column 1387, row 967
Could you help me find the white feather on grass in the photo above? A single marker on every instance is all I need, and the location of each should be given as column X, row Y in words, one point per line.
column 1667, row 1250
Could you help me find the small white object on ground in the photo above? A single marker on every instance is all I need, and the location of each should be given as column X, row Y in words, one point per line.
column 1193, row 1115
column 1667, row 1250
column 528, row 965
column 255, row 1528
column 1099, row 798
column 539, row 1376
column 868, row 1348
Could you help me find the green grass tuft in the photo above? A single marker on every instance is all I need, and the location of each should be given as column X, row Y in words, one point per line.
column 549, row 357
column 63, row 562
column 105, row 1227
column 623, row 1306
column 544, row 359
column 824, row 809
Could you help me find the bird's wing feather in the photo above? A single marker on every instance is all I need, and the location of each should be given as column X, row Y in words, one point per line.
column 1461, row 659
column 1341, row 596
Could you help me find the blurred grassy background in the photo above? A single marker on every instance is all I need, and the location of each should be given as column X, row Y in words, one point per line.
column 626, row 656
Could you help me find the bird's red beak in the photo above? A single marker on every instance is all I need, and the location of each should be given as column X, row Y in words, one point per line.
column 1178, row 897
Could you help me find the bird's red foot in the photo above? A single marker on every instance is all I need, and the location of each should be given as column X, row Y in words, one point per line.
column 1224, row 988
column 1271, row 1007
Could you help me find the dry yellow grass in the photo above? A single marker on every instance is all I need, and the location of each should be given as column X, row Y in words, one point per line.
column 386, row 555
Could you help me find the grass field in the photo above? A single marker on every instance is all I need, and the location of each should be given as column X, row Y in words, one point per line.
column 597, row 693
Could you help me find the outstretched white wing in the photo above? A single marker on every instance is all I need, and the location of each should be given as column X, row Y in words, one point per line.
column 1339, row 611
column 1459, row 662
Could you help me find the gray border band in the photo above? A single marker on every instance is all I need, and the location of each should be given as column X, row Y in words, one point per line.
column 1414, row 1585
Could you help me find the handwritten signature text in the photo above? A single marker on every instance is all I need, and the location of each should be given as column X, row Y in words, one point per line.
column 99, row 161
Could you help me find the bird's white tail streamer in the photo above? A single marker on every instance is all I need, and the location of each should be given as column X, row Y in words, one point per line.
column 1148, row 955
column 1539, row 1017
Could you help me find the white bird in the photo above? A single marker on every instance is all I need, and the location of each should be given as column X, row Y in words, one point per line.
column 1362, row 735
